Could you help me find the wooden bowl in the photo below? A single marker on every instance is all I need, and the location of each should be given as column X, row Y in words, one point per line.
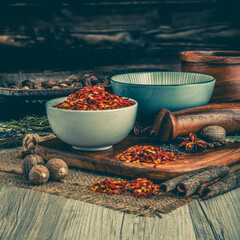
column 223, row 65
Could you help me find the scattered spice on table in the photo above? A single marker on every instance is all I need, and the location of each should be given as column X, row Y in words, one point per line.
column 110, row 186
column 94, row 98
column 140, row 187
column 147, row 154
column 194, row 144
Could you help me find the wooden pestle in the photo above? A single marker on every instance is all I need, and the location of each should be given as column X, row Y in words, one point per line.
column 169, row 125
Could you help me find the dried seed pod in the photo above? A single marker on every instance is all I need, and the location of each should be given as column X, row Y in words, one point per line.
column 77, row 84
column 105, row 81
column 28, row 83
column 219, row 143
column 29, row 162
column 39, row 174
column 30, row 141
column 58, row 168
column 49, row 83
column 25, row 88
column 73, row 78
column 15, row 84
column 86, row 82
column 14, row 87
column 55, row 87
column 63, row 85
column 213, row 133
column 38, row 85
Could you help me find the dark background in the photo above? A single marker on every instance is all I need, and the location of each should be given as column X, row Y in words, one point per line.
column 45, row 35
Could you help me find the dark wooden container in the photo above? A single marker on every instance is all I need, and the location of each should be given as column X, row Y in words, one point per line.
column 223, row 65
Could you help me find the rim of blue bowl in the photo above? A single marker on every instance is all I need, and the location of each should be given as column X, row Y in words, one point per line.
column 166, row 85
column 89, row 111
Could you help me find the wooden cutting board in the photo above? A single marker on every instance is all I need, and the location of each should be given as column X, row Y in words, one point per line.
column 104, row 161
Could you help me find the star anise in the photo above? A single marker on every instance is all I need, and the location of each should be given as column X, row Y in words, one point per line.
column 194, row 144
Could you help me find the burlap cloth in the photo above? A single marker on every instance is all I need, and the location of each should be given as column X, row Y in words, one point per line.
column 76, row 186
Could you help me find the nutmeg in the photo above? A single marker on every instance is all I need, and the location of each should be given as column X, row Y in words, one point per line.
column 213, row 133
column 38, row 174
column 58, row 168
column 29, row 162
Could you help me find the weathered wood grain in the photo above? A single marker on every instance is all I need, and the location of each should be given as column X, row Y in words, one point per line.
column 23, row 213
column 202, row 228
column 176, row 225
column 79, row 34
column 223, row 214
column 28, row 214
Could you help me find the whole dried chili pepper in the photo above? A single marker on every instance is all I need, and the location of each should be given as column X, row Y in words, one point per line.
column 94, row 98
column 140, row 187
column 147, row 154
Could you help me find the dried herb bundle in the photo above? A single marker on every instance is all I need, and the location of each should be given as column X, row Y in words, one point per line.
column 28, row 124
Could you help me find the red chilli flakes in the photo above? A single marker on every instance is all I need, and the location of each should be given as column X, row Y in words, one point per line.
column 109, row 186
column 140, row 187
column 147, row 154
column 94, row 98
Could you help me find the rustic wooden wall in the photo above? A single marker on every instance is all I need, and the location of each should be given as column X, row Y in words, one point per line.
column 44, row 35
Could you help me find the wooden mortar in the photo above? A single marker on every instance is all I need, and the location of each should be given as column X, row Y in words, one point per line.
column 223, row 65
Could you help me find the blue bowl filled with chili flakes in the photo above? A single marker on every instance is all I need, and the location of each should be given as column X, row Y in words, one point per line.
column 91, row 119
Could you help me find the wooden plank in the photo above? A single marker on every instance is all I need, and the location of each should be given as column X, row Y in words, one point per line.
column 105, row 161
column 134, row 31
column 223, row 214
column 23, row 213
column 201, row 226
column 175, row 225
column 27, row 214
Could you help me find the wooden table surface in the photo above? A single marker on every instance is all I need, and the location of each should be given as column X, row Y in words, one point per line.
column 27, row 214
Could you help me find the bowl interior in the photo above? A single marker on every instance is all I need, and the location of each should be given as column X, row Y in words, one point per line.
column 162, row 78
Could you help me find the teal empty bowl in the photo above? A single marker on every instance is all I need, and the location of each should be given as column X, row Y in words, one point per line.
column 91, row 130
column 170, row 90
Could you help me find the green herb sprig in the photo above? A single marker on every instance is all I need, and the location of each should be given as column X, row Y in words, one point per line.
column 29, row 124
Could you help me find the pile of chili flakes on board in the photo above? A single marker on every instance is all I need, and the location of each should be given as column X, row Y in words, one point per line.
column 147, row 154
